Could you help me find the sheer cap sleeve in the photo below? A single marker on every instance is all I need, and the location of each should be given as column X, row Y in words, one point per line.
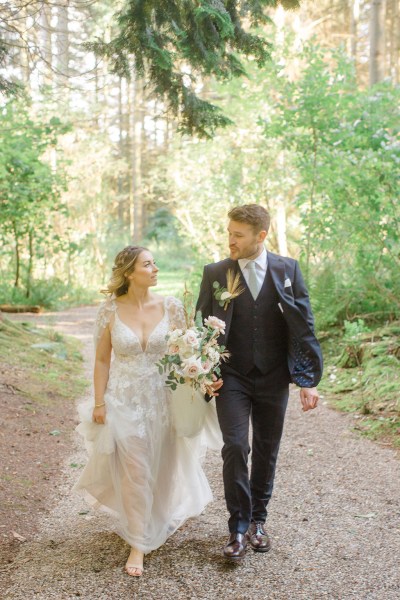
column 104, row 316
column 176, row 312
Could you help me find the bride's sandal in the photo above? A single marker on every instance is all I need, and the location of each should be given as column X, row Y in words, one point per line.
column 134, row 570
column 134, row 564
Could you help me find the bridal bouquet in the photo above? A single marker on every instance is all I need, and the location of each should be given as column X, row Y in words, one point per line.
column 192, row 360
column 193, row 355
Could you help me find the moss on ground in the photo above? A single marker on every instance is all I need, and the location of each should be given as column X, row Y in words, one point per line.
column 44, row 366
column 362, row 376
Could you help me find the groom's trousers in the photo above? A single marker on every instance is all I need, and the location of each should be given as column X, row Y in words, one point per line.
column 258, row 398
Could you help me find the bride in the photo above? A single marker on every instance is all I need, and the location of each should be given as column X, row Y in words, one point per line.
column 139, row 470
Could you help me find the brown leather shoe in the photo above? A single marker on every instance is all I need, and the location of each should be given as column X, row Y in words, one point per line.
column 235, row 549
column 259, row 539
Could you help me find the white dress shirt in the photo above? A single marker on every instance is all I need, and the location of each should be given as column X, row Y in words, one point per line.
column 261, row 267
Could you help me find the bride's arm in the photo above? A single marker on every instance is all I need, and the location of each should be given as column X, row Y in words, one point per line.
column 176, row 313
column 101, row 373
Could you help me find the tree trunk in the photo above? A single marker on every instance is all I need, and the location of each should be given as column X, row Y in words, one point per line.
column 123, row 136
column 280, row 204
column 395, row 41
column 30, row 265
column 281, row 227
column 377, row 41
column 45, row 36
column 17, row 256
column 355, row 17
column 69, row 264
column 62, row 42
column 96, row 96
column 136, row 127
column 25, row 58
column 310, row 219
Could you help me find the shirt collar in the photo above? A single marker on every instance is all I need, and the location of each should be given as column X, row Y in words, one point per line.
column 261, row 261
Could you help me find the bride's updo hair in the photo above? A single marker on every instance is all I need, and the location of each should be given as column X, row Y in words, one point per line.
column 124, row 265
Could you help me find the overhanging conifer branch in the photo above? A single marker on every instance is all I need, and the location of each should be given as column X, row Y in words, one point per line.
column 162, row 40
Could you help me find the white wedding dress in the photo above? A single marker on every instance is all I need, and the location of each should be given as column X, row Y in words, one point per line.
column 139, row 470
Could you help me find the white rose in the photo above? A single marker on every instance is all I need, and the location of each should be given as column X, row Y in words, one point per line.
column 215, row 323
column 226, row 295
column 192, row 367
column 185, row 351
column 191, row 338
column 174, row 335
column 213, row 355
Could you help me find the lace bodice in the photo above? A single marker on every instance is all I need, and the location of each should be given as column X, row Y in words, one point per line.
column 125, row 342
column 134, row 380
column 127, row 346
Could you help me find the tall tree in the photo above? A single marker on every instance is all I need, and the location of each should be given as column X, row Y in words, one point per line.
column 354, row 22
column 29, row 189
column 394, row 37
column 377, row 41
column 62, row 40
column 46, row 43
column 176, row 44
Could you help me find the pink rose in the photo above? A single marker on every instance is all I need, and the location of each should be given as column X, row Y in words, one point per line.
column 207, row 365
column 215, row 323
column 173, row 349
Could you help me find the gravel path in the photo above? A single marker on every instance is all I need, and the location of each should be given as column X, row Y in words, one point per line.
column 334, row 524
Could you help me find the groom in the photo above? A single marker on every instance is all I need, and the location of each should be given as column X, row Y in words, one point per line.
column 270, row 337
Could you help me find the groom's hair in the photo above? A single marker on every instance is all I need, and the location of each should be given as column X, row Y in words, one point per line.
column 255, row 215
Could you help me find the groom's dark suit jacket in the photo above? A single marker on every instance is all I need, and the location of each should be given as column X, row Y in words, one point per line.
column 287, row 324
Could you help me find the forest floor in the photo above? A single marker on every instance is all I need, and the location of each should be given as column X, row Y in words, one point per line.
column 334, row 518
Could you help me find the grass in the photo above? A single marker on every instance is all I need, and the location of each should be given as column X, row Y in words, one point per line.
column 363, row 378
column 44, row 366
column 171, row 283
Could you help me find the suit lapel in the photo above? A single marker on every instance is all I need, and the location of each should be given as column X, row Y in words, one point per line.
column 291, row 313
column 220, row 312
column 276, row 268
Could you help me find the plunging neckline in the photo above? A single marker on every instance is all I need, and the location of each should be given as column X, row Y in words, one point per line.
column 134, row 332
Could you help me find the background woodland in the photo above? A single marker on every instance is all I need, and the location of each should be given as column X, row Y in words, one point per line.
column 144, row 122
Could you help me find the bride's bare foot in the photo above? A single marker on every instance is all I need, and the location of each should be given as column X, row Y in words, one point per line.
column 134, row 564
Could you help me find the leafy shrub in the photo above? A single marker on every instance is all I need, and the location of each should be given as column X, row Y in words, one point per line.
column 48, row 293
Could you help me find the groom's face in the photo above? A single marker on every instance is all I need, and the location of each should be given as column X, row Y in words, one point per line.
column 243, row 241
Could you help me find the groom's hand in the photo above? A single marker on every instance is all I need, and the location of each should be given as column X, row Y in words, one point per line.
column 309, row 398
column 211, row 389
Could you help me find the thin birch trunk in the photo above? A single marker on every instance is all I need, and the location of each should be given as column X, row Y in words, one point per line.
column 17, row 256
column 30, row 265
column 136, row 126
column 45, row 36
column 62, row 41
column 355, row 17
column 377, row 41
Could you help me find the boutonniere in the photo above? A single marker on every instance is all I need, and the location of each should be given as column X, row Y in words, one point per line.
column 233, row 289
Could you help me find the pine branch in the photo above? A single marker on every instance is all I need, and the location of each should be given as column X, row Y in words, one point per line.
column 174, row 45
